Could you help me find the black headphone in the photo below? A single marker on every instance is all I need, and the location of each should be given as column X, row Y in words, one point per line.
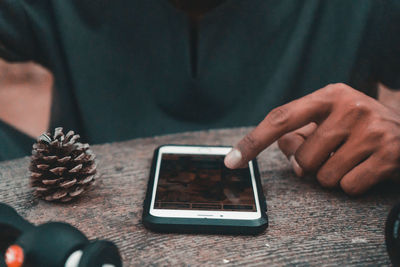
column 53, row 244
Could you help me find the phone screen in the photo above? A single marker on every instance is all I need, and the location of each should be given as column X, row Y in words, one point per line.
column 202, row 182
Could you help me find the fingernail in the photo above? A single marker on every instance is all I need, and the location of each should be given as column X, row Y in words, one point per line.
column 296, row 167
column 233, row 159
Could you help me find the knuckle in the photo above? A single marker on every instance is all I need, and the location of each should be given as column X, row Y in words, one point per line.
column 327, row 178
column 356, row 108
column 350, row 188
column 336, row 89
column 330, row 87
column 278, row 116
column 305, row 162
column 342, row 86
column 374, row 132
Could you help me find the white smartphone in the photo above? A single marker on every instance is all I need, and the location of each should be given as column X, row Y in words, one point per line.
column 190, row 185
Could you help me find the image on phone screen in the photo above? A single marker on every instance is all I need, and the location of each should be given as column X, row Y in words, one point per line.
column 190, row 184
column 202, row 182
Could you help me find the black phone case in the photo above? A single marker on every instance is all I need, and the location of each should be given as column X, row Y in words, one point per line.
column 200, row 225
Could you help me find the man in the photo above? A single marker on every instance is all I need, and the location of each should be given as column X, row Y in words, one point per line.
column 140, row 68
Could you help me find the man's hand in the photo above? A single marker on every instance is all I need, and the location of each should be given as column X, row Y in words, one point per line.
column 343, row 136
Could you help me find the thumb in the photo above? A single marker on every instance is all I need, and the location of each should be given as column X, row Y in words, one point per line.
column 290, row 142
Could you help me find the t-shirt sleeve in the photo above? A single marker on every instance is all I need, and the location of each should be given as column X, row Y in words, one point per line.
column 388, row 48
column 14, row 144
column 17, row 43
column 16, row 35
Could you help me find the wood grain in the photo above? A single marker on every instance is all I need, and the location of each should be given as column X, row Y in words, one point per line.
column 309, row 226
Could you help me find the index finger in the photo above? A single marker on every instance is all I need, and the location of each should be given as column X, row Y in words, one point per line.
column 281, row 120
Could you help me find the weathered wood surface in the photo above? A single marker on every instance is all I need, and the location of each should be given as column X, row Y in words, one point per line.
column 309, row 226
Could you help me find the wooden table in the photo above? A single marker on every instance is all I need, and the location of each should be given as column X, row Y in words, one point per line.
column 309, row 226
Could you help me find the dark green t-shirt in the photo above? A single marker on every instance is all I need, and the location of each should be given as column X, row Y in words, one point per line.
column 126, row 69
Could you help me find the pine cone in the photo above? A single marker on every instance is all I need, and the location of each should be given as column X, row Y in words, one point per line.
column 62, row 168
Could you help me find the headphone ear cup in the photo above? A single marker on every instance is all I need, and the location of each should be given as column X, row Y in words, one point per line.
column 392, row 235
column 98, row 253
column 12, row 225
column 49, row 244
